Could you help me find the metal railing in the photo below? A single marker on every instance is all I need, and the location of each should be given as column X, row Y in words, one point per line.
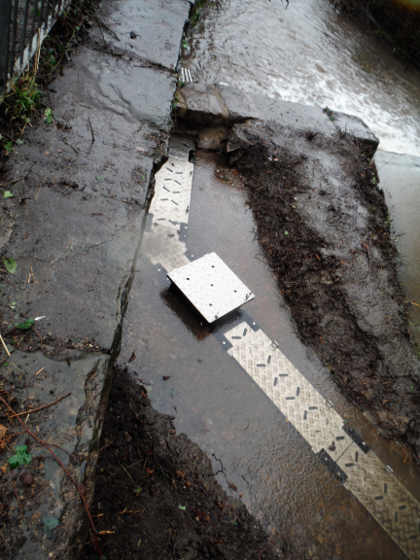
column 24, row 24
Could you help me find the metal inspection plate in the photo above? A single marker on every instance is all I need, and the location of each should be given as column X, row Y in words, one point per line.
column 210, row 285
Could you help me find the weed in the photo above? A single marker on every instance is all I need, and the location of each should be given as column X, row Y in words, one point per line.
column 20, row 458
column 26, row 325
column 329, row 113
column 8, row 147
column 198, row 9
column 48, row 116
column 23, row 100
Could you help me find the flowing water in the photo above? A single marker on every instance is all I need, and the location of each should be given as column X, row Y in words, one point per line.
column 311, row 54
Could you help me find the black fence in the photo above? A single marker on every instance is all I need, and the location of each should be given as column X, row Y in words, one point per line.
column 24, row 24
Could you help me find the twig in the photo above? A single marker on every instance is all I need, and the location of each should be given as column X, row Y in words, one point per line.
column 44, row 406
column 79, row 487
column 128, row 473
column 5, row 346
column 12, row 182
column 91, row 131
column 75, row 150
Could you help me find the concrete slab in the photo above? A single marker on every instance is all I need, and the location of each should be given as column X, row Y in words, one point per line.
column 84, row 181
column 220, row 103
column 150, row 30
column 74, row 255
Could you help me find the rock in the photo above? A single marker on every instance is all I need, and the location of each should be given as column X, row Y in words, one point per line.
column 212, row 138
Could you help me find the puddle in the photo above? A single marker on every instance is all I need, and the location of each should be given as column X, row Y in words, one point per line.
column 256, row 453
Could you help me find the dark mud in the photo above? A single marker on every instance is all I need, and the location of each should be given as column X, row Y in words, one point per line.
column 324, row 228
column 156, row 495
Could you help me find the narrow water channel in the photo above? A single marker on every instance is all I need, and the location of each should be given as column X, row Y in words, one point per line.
column 311, row 54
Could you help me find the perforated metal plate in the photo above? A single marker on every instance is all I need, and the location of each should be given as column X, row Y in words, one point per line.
column 211, row 286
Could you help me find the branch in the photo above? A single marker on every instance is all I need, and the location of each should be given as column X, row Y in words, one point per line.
column 44, row 406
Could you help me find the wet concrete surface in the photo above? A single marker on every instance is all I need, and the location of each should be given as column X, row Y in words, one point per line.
column 83, row 193
column 84, row 182
column 214, row 402
column 74, row 226
column 145, row 30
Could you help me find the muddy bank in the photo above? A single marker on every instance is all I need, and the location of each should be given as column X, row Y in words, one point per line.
column 156, row 493
column 327, row 238
column 324, row 228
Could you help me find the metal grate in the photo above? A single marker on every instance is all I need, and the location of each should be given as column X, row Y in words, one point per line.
column 24, row 24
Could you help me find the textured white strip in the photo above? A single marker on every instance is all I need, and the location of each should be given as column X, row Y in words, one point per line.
column 386, row 499
column 165, row 244
column 393, row 507
column 289, row 390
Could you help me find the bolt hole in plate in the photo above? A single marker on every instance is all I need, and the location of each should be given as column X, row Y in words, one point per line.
column 211, row 286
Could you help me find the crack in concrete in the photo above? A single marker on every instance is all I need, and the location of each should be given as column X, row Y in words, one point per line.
column 128, row 56
column 126, row 284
